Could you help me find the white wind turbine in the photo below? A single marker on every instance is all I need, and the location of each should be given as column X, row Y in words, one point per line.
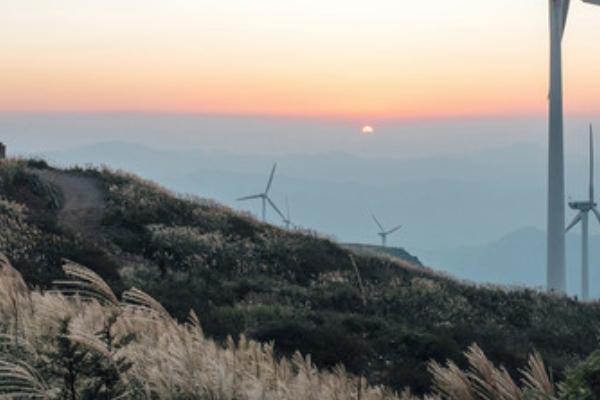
column 584, row 207
column 382, row 232
column 264, row 196
column 555, row 245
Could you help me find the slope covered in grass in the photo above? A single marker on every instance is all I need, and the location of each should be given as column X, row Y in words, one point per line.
column 380, row 317
column 389, row 251
column 81, row 342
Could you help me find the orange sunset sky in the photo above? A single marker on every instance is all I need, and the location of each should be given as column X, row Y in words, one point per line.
column 383, row 58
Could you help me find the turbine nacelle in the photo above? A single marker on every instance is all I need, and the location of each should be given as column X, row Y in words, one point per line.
column 582, row 205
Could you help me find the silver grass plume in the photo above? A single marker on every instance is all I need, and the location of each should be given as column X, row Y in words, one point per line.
column 85, row 283
column 19, row 380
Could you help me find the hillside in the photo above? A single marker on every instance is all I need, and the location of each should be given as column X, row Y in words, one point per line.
column 82, row 342
column 401, row 188
column 373, row 250
column 380, row 317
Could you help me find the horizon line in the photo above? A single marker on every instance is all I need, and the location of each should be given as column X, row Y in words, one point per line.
column 366, row 118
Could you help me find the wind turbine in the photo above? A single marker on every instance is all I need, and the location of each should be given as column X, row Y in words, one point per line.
column 382, row 232
column 555, row 245
column 584, row 207
column 264, row 196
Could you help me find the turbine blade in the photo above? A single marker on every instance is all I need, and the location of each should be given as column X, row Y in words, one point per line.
column 393, row 230
column 378, row 223
column 591, row 164
column 270, row 182
column 596, row 2
column 565, row 15
column 596, row 213
column 254, row 196
column 575, row 221
column 275, row 208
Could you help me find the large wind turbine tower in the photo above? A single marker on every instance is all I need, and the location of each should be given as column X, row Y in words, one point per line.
column 584, row 207
column 555, row 255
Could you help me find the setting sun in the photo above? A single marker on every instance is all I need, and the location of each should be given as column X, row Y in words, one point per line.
column 367, row 130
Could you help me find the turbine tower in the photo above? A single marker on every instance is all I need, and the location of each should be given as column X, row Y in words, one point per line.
column 382, row 232
column 555, row 250
column 287, row 220
column 264, row 196
column 584, row 207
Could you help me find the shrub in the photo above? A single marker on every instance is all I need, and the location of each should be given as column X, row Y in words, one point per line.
column 583, row 381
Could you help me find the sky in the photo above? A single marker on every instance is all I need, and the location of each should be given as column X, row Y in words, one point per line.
column 456, row 92
column 334, row 58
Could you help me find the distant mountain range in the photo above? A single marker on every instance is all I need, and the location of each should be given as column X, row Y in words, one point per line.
column 441, row 201
column 452, row 209
column 518, row 259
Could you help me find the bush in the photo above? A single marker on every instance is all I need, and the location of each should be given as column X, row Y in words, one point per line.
column 37, row 163
column 328, row 344
column 583, row 381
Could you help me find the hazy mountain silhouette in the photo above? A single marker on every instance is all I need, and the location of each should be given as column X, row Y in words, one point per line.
column 518, row 258
column 448, row 206
column 442, row 201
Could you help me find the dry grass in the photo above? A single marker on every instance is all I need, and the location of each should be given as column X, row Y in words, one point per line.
column 170, row 360
column 485, row 381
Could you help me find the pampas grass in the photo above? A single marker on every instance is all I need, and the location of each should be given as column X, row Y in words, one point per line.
column 486, row 382
column 19, row 380
column 156, row 357
column 85, row 283
column 168, row 360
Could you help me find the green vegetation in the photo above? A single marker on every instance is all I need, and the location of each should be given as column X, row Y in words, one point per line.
column 81, row 342
column 583, row 381
column 382, row 318
column 371, row 250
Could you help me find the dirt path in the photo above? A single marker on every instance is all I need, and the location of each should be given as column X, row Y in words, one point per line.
column 83, row 200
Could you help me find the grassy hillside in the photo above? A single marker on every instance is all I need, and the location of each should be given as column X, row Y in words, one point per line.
column 81, row 342
column 380, row 317
column 374, row 250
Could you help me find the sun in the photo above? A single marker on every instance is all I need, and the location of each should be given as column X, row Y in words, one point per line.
column 367, row 130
